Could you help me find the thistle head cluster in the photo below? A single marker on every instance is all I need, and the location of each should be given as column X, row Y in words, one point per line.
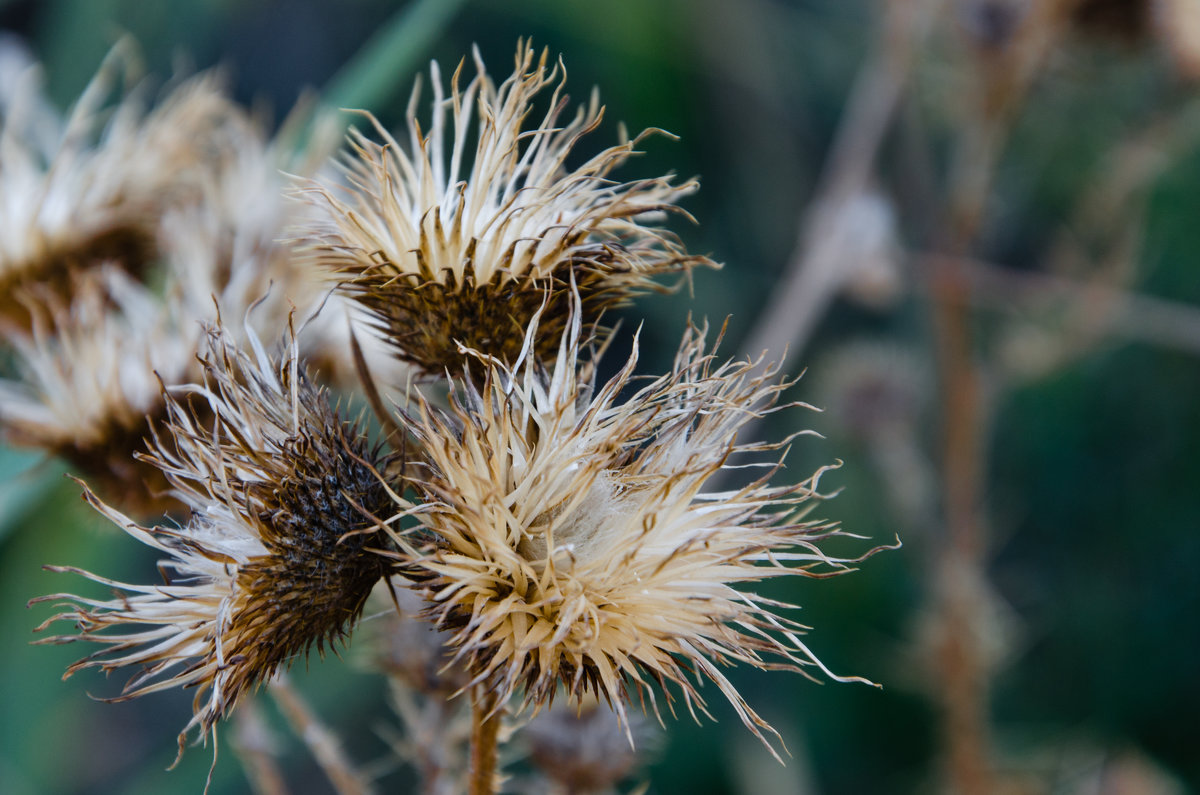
column 562, row 535
column 95, row 330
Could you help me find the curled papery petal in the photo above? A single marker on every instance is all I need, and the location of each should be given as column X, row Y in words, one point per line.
column 278, row 555
column 464, row 231
column 570, row 538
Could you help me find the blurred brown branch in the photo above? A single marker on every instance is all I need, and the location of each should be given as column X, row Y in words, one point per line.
column 319, row 739
column 819, row 267
column 1120, row 312
column 1004, row 69
column 255, row 748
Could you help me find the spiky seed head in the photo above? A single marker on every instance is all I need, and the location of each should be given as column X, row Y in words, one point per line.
column 571, row 541
column 89, row 188
column 277, row 556
column 87, row 386
column 442, row 244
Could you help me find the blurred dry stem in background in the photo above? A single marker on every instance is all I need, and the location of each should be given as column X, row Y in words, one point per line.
column 258, row 750
column 819, row 268
column 1083, row 290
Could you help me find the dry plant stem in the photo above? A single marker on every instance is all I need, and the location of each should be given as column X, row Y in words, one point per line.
column 320, row 741
column 252, row 744
column 1005, row 75
column 485, row 736
column 964, row 681
column 964, row 686
column 1143, row 318
column 811, row 276
column 964, row 690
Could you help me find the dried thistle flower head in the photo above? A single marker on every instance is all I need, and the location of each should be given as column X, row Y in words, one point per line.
column 585, row 749
column 91, row 366
column 445, row 245
column 225, row 239
column 574, row 544
column 88, row 381
column 277, row 555
column 89, row 189
column 90, row 373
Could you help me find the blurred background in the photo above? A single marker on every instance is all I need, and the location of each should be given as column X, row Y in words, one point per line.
column 973, row 224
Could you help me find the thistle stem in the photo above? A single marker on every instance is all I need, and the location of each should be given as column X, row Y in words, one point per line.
column 485, row 735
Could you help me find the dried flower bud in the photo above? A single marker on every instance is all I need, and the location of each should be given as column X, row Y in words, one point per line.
column 584, row 749
column 410, row 648
column 277, row 556
column 573, row 543
column 444, row 246
column 872, row 388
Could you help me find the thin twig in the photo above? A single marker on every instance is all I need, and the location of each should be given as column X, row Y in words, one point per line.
column 320, row 741
column 253, row 746
column 817, row 267
column 1131, row 315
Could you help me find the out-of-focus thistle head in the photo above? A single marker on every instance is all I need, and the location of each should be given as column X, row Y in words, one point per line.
column 567, row 537
column 88, row 381
column 277, row 555
column 464, row 233
column 90, row 370
column 97, row 346
column 224, row 239
column 89, row 188
column 585, row 748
